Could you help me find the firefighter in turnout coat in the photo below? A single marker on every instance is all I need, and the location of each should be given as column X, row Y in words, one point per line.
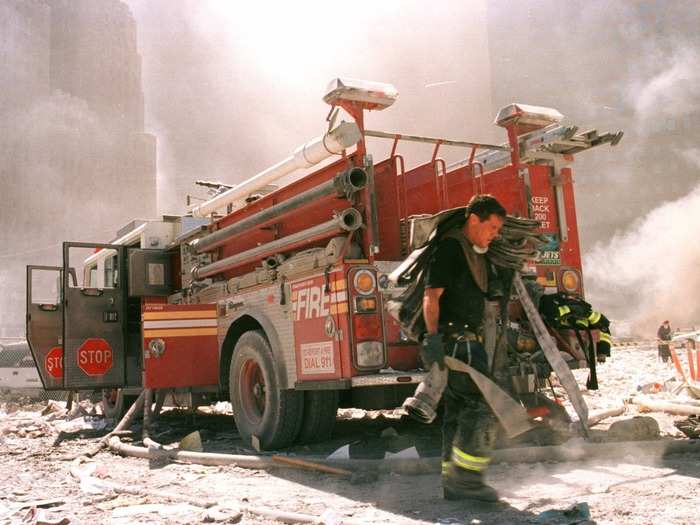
column 456, row 285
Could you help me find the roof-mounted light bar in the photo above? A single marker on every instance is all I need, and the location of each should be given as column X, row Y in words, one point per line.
column 528, row 118
column 371, row 95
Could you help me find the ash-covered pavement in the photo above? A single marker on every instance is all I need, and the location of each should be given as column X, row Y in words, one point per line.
column 630, row 489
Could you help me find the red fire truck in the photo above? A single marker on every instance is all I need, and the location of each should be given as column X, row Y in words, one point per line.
column 273, row 297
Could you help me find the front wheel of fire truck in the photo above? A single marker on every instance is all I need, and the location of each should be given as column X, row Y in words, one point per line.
column 262, row 410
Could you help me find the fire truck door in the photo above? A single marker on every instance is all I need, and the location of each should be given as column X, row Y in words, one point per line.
column 94, row 315
column 45, row 323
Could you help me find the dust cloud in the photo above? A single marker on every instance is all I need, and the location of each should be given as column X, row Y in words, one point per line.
column 651, row 270
column 632, row 66
column 232, row 88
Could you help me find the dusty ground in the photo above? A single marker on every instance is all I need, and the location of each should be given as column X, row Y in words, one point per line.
column 627, row 490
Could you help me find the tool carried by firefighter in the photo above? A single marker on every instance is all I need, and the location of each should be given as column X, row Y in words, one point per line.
column 274, row 296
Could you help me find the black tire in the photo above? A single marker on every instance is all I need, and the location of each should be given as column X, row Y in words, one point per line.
column 260, row 407
column 320, row 411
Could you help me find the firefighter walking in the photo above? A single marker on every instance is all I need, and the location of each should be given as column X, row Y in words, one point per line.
column 456, row 285
column 664, row 336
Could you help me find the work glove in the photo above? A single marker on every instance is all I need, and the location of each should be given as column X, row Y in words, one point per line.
column 433, row 351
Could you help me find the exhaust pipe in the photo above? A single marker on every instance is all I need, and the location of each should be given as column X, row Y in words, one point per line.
column 347, row 220
column 344, row 184
column 332, row 143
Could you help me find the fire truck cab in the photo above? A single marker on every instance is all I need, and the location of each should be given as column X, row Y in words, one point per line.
column 276, row 300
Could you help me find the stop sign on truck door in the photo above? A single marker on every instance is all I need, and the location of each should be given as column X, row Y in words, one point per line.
column 54, row 362
column 95, row 357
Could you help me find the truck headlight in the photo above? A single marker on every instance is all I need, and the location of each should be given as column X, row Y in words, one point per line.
column 370, row 354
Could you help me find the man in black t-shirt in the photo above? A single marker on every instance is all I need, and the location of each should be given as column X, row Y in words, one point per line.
column 456, row 284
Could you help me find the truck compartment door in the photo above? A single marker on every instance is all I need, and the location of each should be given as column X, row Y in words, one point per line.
column 180, row 345
column 45, row 323
column 94, row 315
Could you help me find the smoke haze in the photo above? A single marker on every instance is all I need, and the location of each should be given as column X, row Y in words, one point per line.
column 74, row 161
column 231, row 88
column 610, row 66
column 651, row 268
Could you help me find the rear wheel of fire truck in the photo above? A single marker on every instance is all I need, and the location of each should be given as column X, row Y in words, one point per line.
column 320, row 411
column 261, row 409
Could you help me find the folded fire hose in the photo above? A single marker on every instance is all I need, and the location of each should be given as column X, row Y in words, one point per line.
column 518, row 241
column 509, row 412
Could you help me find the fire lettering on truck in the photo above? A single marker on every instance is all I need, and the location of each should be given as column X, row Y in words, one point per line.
column 314, row 302
column 317, row 358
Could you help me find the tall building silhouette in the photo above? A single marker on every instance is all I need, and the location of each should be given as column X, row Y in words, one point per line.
column 75, row 161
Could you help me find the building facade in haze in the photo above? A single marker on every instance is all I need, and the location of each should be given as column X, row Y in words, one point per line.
column 75, row 161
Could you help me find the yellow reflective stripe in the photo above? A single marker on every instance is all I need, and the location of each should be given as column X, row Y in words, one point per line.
column 180, row 332
column 469, row 457
column 594, row 317
column 340, row 284
column 338, row 308
column 180, row 314
column 563, row 310
column 605, row 337
column 469, row 462
column 461, row 463
column 445, row 466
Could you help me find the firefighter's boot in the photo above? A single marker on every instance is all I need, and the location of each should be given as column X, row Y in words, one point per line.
column 463, row 477
column 459, row 483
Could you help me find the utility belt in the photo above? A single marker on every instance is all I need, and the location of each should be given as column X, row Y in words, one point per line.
column 466, row 344
column 461, row 333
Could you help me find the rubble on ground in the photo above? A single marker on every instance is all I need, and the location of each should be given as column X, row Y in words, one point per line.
column 39, row 444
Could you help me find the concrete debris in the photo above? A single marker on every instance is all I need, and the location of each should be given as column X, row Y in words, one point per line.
column 35, row 516
column 53, row 407
column 330, row 517
column 43, row 503
column 160, row 509
column 638, row 428
column 81, row 423
column 650, row 388
column 192, row 442
column 577, row 514
column 341, row 453
column 690, row 427
column 221, row 515
column 410, row 452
